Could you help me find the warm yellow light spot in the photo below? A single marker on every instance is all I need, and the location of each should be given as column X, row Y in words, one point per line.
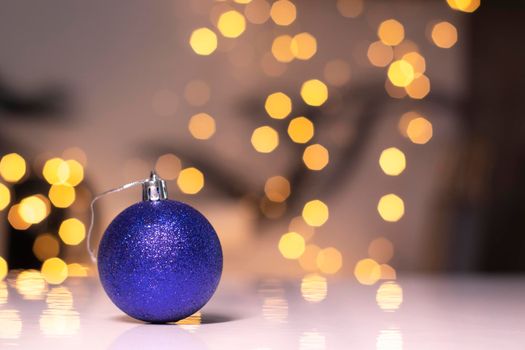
column 316, row 157
column 391, row 207
column 389, row 296
column 32, row 209
column 62, row 196
column 191, row 323
column 265, row 139
column 392, row 161
column 277, row 189
column 5, row 196
column 282, row 48
column 46, row 246
column 203, row 41
column 406, row 47
column 54, row 270
column 72, row 231
column 464, row 5
column 303, row 46
column 77, row 270
column 444, row 35
column 231, row 24
column 336, row 72
column 404, row 120
column 329, row 260
column 379, row 54
column 394, row 91
column 291, row 245
column 417, row 62
column 3, row 268
column 56, row 171
column 418, row 88
column 387, row 272
column 168, row 166
column 202, row 126
column 12, row 167
column 315, row 213
column 314, row 288
column 190, row 180
column 283, row 12
column 257, row 11
column 297, row 224
column 308, row 260
column 244, row 2
column 391, row 32
column 367, row 271
column 76, row 172
column 314, row 92
column 278, row 105
column 301, row 130
column 381, row 250
column 197, row 92
column 350, row 8
column 16, row 220
column 401, row 73
column 31, row 285
column 419, row 130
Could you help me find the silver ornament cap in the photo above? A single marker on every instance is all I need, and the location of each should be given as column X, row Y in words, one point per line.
column 154, row 188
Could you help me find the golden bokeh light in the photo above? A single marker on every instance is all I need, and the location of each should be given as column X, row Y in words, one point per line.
column 5, row 196
column 419, row 130
column 231, row 24
column 316, row 157
column 381, row 250
column 291, row 245
column 278, row 105
column 308, row 260
column 391, row 32
column 168, row 166
column 367, row 271
column 203, row 41
column 277, row 189
column 283, row 12
column 301, row 130
column 389, row 296
column 388, row 272
column 417, row 62
column 12, row 167
column 76, row 172
column 394, row 91
column 303, row 46
column 464, row 5
column 4, row 269
column 54, row 270
column 72, row 231
column 444, row 35
column 401, row 73
column 257, row 11
column 265, row 139
column 33, row 209
column 31, row 285
column 418, row 88
column 282, row 48
column 392, row 161
column 329, row 260
column 379, row 54
column 391, row 207
column 190, row 180
column 46, row 246
column 201, row 126
column 197, row 92
column 56, row 171
column 15, row 220
column 315, row 213
column 314, row 92
column 62, row 196
column 336, row 72
column 297, row 224
column 404, row 120
column 314, row 288
column 77, row 270
column 350, row 8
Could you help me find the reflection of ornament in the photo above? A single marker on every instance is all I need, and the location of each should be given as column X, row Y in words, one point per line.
column 159, row 260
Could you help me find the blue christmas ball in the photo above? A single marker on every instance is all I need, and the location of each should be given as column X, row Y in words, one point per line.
column 160, row 261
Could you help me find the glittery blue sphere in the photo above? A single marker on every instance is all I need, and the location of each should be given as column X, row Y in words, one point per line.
column 160, row 261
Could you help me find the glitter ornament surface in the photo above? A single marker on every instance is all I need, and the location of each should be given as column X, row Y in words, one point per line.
column 160, row 261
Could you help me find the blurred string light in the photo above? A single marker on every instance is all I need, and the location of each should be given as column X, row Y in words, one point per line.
column 301, row 130
column 297, row 224
column 392, row 161
column 77, row 270
column 417, row 62
column 367, row 271
column 59, row 319
column 381, row 250
column 401, row 73
column 444, row 35
column 168, row 166
column 418, row 88
column 15, row 220
column 191, row 323
column 283, row 12
column 72, row 231
column 308, row 259
column 315, row 213
column 336, row 72
column 31, row 285
column 389, row 296
column 56, row 171
column 203, row 41
column 277, row 188
column 197, row 92
column 329, row 260
column 12, row 167
column 231, row 24
column 257, row 11
column 464, row 5
column 314, row 92
column 391, row 207
column 379, row 54
column 54, row 270
column 202, row 126
column 314, row 288
column 265, row 139
column 391, row 32
column 291, row 245
column 190, row 180
column 62, row 196
column 3, row 268
column 278, row 105
column 388, row 272
column 33, row 209
column 46, row 246
column 419, row 130
column 303, row 46
column 316, row 157
column 282, row 48
column 5, row 196
column 350, row 8
column 394, row 91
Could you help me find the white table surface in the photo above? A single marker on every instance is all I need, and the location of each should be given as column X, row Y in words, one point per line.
column 436, row 313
